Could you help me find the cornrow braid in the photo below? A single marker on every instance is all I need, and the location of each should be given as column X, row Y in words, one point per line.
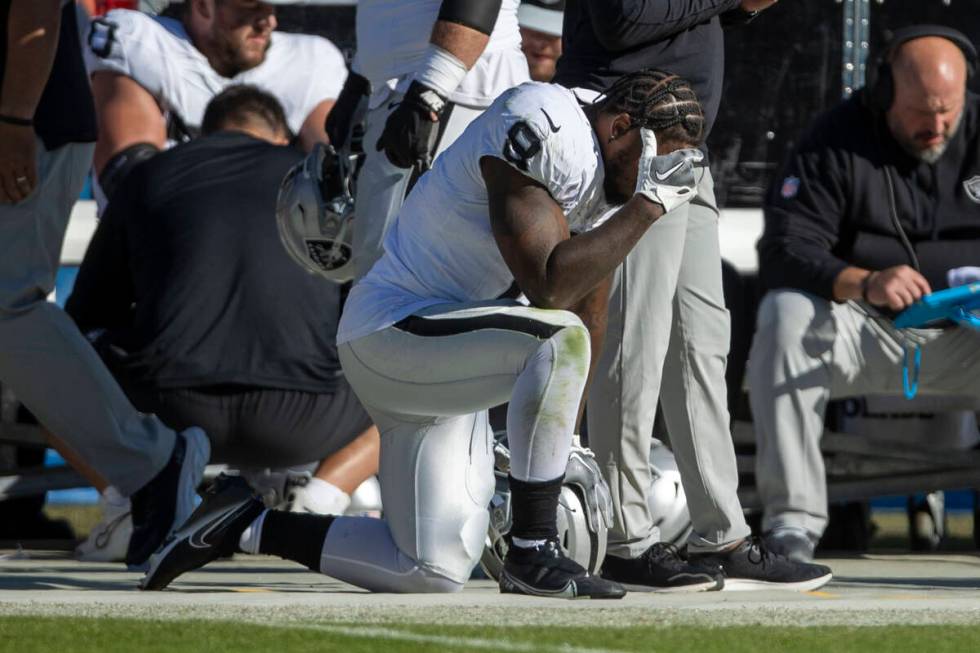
column 656, row 100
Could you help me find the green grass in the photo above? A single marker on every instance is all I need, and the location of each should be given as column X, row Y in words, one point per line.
column 70, row 635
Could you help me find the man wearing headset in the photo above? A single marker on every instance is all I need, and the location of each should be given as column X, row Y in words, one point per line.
column 878, row 206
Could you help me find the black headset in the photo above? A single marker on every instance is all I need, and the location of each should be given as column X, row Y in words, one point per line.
column 879, row 91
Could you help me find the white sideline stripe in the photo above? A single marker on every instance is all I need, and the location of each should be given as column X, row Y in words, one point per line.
column 372, row 632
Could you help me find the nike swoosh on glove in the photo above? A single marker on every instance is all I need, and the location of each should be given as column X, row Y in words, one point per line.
column 667, row 180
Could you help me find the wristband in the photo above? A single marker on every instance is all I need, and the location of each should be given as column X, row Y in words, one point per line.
column 14, row 120
column 441, row 71
column 866, row 285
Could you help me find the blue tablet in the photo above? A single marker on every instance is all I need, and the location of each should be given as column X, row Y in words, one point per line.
column 954, row 304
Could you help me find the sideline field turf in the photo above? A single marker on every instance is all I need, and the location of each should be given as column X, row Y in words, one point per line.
column 26, row 634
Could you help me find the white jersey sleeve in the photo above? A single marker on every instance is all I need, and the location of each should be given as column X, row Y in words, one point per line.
column 301, row 70
column 540, row 130
column 130, row 43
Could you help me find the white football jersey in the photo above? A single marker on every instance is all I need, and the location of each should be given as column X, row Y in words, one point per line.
column 393, row 36
column 300, row 70
column 441, row 248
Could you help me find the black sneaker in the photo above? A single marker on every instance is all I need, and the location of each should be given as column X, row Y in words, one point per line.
column 545, row 571
column 166, row 501
column 662, row 569
column 229, row 506
column 752, row 566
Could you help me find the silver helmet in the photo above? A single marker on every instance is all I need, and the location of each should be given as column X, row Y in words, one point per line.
column 666, row 498
column 584, row 512
column 315, row 212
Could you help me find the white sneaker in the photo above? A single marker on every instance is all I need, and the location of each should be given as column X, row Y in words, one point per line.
column 109, row 538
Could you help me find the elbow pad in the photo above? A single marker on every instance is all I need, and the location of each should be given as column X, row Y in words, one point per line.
column 120, row 165
column 480, row 15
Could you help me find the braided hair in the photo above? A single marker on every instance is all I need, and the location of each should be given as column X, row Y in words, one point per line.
column 656, row 100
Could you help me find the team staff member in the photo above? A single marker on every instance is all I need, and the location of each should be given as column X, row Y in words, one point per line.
column 47, row 126
column 668, row 331
column 429, row 68
column 540, row 22
column 879, row 205
column 152, row 76
column 206, row 321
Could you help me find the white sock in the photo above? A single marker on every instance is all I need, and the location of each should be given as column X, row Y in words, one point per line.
column 319, row 497
column 526, row 544
column 251, row 536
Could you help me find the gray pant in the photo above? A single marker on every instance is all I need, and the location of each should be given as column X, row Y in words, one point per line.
column 44, row 359
column 381, row 186
column 808, row 350
column 668, row 339
column 429, row 396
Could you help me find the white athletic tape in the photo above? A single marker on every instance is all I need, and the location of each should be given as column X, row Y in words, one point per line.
column 375, row 632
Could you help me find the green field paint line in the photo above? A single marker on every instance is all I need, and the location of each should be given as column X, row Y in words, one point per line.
column 374, row 632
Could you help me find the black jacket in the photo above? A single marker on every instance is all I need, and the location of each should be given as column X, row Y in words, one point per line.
column 831, row 207
column 605, row 39
column 187, row 275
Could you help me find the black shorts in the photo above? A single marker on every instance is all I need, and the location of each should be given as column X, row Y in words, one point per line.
column 261, row 427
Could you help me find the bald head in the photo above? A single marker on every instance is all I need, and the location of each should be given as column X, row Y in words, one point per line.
column 931, row 65
column 930, row 76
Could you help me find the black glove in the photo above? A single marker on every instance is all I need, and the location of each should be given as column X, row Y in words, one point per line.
column 410, row 134
column 348, row 111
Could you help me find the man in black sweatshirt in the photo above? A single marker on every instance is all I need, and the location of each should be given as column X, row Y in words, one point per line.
column 668, row 330
column 879, row 205
column 203, row 318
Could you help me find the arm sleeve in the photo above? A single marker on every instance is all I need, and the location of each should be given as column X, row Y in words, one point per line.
column 480, row 15
column 623, row 24
column 103, row 293
column 803, row 217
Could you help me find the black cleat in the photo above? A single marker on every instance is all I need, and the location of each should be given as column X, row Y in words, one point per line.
column 546, row 571
column 752, row 566
column 229, row 506
column 662, row 569
column 165, row 502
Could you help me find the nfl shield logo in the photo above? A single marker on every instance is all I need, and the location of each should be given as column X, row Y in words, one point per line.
column 791, row 186
column 972, row 187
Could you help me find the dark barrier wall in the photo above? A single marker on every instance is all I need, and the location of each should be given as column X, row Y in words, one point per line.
column 786, row 67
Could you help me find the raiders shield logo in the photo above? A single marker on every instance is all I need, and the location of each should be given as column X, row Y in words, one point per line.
column 972, row 187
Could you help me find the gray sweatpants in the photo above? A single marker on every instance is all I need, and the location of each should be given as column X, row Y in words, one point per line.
column 381, row 186
column 667, row 340
column 44, row 359
column 808, row 350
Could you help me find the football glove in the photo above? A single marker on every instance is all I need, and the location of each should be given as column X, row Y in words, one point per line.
column 668, row 180
column 411, row 131
column 348, row 111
